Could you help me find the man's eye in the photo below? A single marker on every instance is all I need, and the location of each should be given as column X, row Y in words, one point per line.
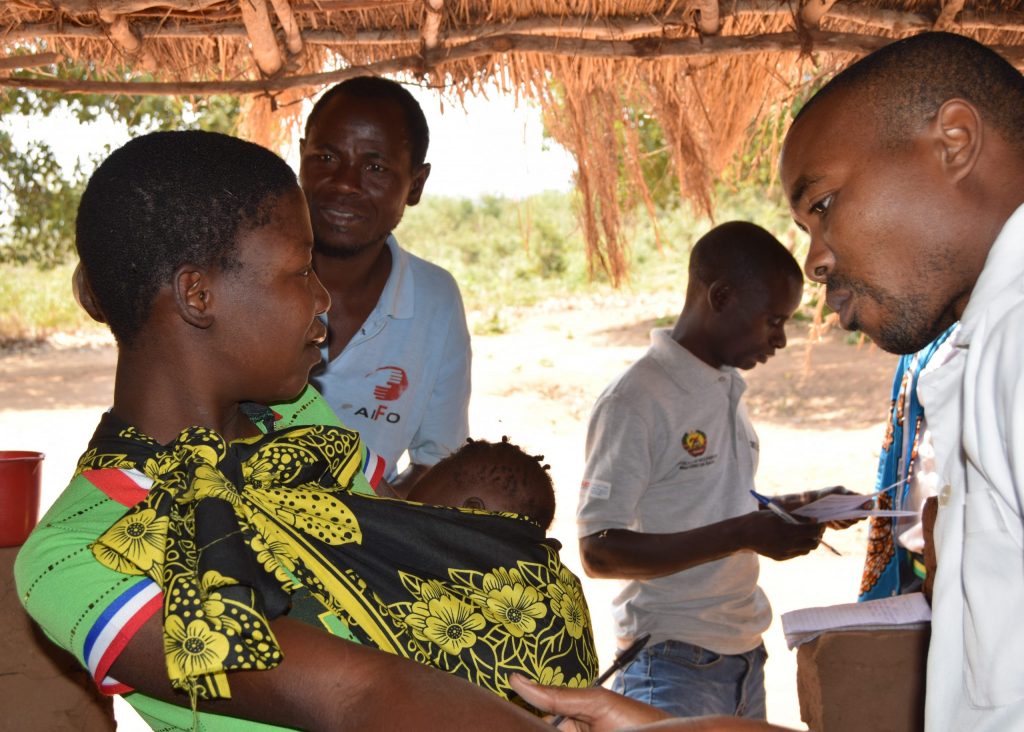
column 375, row 168
column 821, row 206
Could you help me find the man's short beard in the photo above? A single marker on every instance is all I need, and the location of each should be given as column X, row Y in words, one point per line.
column 899, row 336
column 905, row 329
column 335, row 252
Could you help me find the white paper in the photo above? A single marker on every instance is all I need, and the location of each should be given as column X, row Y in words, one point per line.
column 843, row 507
column 800, row 626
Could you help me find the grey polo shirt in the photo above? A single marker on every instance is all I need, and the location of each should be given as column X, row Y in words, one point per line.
column 670, row 448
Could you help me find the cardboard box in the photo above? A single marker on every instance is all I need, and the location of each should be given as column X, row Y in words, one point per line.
column 863, row 680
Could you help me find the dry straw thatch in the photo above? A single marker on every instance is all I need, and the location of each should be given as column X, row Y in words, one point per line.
column 707, row 71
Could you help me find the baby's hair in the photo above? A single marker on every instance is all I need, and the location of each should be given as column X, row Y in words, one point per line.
column 521, row 478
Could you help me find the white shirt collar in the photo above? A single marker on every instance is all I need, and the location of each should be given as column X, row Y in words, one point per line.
column 1003, row 270
column 687, row 371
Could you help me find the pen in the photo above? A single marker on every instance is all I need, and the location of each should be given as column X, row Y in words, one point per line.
column 621, row 661
column 787, row 517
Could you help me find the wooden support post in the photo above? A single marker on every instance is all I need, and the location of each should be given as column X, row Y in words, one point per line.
column 256, row 18
column 813, row 11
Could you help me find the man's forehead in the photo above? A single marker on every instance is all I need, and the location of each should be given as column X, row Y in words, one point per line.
column 826, row 131
column 343, row 107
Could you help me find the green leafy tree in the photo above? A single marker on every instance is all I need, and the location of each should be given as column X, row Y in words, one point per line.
column 43, row 200
column 39, row 198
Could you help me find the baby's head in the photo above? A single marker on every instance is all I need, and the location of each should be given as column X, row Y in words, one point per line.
column 496, row 476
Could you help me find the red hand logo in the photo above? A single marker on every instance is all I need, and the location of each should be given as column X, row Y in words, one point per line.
column 392, row 389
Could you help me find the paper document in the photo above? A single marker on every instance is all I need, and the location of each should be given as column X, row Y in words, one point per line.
column 908, row 611
column 842, row 507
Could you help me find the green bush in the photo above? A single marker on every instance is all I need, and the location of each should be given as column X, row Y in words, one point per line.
column 36, row 303
column 503, row 252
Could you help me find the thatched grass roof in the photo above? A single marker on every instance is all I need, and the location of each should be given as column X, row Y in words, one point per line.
column 706, row 71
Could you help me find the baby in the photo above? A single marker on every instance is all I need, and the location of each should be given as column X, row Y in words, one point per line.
column 495, row 476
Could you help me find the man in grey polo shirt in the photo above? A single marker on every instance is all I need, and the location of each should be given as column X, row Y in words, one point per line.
column 665, row 502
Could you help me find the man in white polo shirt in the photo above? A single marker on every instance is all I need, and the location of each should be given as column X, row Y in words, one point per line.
column 665, row 502
column 907, row 172
column 397, row 353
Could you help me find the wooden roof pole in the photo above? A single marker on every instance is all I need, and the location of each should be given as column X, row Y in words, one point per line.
column 715, row 46
column 432, row 23
column 900, row 20
column 256, row 18
column 29, row 60
column 119, row 7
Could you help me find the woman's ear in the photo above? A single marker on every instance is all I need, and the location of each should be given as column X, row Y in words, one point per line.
column 193, row 296
column 84, row 296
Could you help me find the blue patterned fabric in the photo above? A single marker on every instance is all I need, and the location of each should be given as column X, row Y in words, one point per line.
column 888, row 565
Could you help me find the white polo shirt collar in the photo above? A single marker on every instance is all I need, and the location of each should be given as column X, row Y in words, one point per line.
column 688, row 372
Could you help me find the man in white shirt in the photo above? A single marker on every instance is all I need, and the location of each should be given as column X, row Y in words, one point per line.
column 397, row 353
column 666, row 499
column 907, row 171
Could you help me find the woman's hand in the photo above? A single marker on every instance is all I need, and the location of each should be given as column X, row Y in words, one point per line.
column 594, row 709
column 597, row 709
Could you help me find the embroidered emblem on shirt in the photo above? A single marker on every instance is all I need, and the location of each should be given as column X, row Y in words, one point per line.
column 596, row 488
column 393, row 387
column 695, row 443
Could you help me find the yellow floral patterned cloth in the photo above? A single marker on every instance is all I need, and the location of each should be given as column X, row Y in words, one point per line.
column 230, row 531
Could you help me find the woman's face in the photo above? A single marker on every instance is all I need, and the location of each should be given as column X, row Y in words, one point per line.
column 269, row 303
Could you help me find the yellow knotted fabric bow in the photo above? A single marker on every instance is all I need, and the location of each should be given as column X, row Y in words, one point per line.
column 231, row 532
column 208, row 533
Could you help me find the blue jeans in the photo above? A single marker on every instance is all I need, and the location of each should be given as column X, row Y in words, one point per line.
column 690, row 681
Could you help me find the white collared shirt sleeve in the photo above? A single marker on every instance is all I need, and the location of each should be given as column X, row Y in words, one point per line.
column 618, row 467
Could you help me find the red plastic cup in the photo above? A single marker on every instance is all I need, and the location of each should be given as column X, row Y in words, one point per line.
column 20, row 473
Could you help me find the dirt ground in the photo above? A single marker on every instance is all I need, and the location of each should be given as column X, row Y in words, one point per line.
column 536, row 383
